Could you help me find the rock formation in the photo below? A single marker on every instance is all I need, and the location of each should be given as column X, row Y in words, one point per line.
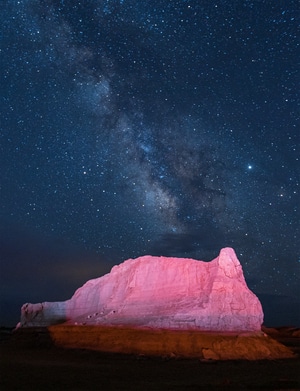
column 160, row 292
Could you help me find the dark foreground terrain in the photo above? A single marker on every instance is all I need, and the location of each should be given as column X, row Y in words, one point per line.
column 30, row 361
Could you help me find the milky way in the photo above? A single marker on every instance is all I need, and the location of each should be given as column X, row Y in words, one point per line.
column 153, row 127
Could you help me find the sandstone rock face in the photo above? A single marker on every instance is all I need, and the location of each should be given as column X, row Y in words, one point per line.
column 171, row 343
column 160, row 292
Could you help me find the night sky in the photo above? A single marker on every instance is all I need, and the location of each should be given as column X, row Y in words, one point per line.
column 148, row 127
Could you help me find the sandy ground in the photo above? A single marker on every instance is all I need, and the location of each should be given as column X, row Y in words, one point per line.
column 32, row 362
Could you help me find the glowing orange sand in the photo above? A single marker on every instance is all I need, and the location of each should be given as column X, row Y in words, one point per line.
column 191, row 344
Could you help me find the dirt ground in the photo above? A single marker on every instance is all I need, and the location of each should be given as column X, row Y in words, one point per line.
column 32, row 362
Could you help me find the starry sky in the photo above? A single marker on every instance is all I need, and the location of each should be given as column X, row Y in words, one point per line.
column 148, row 127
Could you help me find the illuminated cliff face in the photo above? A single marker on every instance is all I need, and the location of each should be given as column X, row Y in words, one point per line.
column 160, row 292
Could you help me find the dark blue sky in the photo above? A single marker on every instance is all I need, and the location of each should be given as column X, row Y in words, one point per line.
column 154, row 127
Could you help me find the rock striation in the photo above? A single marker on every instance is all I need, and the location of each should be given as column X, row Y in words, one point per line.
column 160, row 293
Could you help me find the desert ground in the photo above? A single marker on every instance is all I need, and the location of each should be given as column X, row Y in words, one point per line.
column 30, row 361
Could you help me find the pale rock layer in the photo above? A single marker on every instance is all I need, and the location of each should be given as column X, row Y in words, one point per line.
column 160, row 292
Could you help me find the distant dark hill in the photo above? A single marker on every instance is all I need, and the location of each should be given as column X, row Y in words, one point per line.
column 280, row 310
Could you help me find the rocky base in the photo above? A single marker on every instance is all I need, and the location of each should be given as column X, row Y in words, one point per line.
column 188, row 344
column 29, row 361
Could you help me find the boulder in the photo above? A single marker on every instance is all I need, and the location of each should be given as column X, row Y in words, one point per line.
column 161, row 293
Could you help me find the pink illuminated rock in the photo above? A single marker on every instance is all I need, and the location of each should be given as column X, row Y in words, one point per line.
column 160, row 292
